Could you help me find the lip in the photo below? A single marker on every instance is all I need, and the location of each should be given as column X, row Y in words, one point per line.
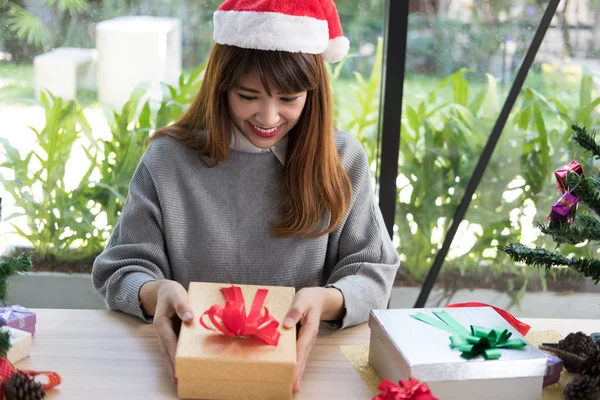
column 262, row 134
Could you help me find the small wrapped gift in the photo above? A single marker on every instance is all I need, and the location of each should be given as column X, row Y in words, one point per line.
column 235, row 348
column 563, row 211
column 561, row 174
column 490, row 361
column 20, row 344
column 18, row 317
column 553, row 369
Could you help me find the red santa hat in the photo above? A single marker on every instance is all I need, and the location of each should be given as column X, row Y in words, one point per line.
column 298, row 26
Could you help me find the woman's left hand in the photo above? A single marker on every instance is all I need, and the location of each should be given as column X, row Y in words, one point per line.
column 309, row 307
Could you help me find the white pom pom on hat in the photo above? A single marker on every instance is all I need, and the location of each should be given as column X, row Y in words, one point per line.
column 297, row 26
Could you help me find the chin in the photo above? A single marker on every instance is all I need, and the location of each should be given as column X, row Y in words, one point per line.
column 266, row 143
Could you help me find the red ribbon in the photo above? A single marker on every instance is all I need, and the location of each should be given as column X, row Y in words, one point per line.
column 232, row 320
column 521, row 327
column 411, row 389
column 7, row 369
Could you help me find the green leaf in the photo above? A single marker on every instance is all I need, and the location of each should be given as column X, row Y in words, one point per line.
column 28, row 26
column 144, row 119
column 360, row 80
column 460, row 89
column 11, row 153
column 585, row 91
column 13, row 215
column 70, row 6
column 22, row 233
column 93, row 158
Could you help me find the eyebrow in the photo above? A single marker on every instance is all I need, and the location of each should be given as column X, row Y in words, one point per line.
column 247, row 89
column 251, row 90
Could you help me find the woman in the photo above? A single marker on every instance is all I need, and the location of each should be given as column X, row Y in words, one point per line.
column 253, row 186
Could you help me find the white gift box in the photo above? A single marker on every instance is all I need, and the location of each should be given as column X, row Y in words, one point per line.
column 403, row 347
column 20, row 342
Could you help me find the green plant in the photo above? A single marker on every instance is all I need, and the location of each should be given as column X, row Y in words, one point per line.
column 177, row 99
column 121, row 155
column 57, row 218
column 51, row 23
column 441, row 138
column 364, row 116
column 130, row 130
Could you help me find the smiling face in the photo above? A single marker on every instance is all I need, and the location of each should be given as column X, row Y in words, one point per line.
column 264, row 119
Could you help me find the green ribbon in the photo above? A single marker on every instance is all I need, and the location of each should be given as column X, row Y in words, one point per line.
column 479, row 340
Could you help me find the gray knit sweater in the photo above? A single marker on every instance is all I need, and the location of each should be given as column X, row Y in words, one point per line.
column 185, row 222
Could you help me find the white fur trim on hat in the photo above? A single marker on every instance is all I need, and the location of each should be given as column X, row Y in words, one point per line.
column 271, row 31
column 336, row 49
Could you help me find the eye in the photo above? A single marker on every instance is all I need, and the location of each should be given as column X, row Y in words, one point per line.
column 289, row 99
column 247, row 98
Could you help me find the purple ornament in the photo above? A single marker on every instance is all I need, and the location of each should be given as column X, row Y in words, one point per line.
column 563, row 211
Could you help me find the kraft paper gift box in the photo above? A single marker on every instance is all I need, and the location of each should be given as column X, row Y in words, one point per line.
column 18, row 317
column 402, row 347
column 210, row 365
column 20, row 342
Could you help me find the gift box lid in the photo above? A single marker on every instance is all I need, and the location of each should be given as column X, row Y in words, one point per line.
column 419, row 349
column 17, row 316
column 212, row 355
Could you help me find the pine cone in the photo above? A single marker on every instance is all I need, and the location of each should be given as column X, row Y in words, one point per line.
column 21, row 386
column 591, row 366
column 572, row 362
column 582, row 388
column 579, row 343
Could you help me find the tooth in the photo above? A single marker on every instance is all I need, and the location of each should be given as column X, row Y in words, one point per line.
column 264, row 130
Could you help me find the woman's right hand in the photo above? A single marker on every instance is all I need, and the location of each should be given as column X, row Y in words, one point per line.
column 170, row 301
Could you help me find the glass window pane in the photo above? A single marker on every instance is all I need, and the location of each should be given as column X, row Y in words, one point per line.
column 462, row 58
column 535, row 142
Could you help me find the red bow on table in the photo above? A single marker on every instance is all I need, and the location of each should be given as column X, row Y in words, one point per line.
column 411, row 389
column 7, row 369
column 521, row 327
column 232, row 320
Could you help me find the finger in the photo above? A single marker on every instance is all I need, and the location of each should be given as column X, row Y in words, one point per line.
column 292, row 317
column 306, row 339
column 166, row 334
column 167, row 361
column 179, row 300
column 184, row 311
column 296, row 312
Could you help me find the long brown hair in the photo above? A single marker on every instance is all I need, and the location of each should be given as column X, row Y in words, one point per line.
column 317, row 183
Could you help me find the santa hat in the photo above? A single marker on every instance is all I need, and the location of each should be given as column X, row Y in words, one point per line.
column 298, row 26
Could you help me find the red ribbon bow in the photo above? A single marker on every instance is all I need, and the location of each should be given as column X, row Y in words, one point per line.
column 7, row 369
column 411, row 389
column 232, row 320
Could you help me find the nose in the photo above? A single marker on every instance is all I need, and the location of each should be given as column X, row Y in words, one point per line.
column 268, row 115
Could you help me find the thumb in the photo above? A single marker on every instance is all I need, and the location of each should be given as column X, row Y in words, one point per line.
column 182, row 308
column 295, row 313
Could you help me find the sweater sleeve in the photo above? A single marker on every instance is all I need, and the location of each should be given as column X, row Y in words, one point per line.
column 367, row 260
column 135, row 253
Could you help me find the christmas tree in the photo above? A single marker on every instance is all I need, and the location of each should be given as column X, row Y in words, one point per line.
column 565, row 225
column 579, row 352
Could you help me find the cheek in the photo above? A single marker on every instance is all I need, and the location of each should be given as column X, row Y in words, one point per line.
column 237, row 109
column 295, row 112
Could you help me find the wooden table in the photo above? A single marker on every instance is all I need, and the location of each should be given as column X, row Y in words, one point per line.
column 110, row 355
